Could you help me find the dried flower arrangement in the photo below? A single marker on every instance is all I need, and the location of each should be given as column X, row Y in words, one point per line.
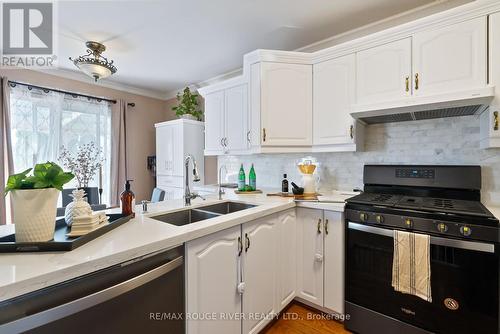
column 84, row 163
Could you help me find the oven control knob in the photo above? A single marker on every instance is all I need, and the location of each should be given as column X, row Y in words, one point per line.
column 363, row 216
column 379, row 219
column 465, row 231
column 408, row 223
column 442, row 227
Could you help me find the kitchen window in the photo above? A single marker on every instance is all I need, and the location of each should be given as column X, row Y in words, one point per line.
column 43, row 121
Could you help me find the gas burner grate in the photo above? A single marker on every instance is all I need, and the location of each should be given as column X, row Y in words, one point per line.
column 440, row 203
column 382, row 198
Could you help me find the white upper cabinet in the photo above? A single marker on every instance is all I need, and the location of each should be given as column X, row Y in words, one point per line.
column 452, row 58
column 236, row 119
column 227, row 119
column 384, row 72
column 333, row 94
column 285, row 104
column 490, row 119
column 212, row 278
column 214, row 122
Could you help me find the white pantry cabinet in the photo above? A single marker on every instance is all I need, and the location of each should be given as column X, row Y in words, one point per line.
column 174, row 141
column 452, row 58
column 490, row 119
column 383, row 73
column 239, row 270
column 227, row 121
column 212, row 278
column 285, row 104
column 334, row 91
column 320, row 252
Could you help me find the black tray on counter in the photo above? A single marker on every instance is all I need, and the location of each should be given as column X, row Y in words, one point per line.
column 60, row 242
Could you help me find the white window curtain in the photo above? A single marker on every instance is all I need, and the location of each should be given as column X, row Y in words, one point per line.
column 43, row 121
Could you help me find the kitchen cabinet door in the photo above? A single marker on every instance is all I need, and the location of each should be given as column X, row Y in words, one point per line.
column 451, row 58
column 214, row 123
column 165, row 149
column 177, row 168
column 287, row 260
column 286, row 104
column 236, row 119
column 383, row 73
column 310, row 255
column 259, row 272
column 334, row 261
column 212, row 276
column 333, row 95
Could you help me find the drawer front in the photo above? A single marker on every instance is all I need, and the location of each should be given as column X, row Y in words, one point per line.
column 169, row 181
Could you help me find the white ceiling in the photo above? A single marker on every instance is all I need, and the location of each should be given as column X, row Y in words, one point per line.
column 161, row 46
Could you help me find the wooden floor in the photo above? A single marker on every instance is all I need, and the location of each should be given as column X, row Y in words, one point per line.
column 298, row 319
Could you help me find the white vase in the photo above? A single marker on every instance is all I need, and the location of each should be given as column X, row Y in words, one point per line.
column 189, row 116
column 34, row 214
column 79, row 207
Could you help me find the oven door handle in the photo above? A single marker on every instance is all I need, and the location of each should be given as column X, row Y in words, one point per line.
column 454, row 243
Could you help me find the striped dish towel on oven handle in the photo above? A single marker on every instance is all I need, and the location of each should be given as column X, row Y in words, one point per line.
column 411, row 268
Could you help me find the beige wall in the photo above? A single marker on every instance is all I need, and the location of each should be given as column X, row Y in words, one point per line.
column 140, row 121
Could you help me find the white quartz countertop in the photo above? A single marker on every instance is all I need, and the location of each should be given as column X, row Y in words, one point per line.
column 21, row 273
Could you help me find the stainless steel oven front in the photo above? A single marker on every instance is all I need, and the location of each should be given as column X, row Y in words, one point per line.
column 464, row 283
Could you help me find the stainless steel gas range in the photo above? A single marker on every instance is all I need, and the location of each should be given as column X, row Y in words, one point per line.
column 444, row 203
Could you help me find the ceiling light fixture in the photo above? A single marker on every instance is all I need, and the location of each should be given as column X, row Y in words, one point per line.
column 94, row 64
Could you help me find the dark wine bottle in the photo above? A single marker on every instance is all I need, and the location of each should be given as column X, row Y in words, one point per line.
column 284, row 184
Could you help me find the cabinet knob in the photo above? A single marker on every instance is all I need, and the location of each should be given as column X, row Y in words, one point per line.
column 264, row 134
column 318, row 257
column 248, row 137
column 416, row 81
column 351, row 131
column 319, row 226
column 326, row 226
column 495, row 121
column 407, row 83
column 241, row 287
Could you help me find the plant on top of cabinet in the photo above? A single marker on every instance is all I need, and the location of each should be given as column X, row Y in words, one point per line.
column 188, row 105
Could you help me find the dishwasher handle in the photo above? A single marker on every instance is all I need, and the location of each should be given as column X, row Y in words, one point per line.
column 61, row 311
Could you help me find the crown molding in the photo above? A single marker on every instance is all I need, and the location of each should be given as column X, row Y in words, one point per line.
column 73, row 75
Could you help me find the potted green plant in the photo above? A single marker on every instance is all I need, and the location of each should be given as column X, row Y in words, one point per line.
column 188, row 106
column 34, row 201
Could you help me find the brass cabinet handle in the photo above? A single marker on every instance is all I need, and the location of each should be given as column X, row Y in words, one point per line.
column 326, row 226
column 495, row 120
column 407, row 83
column 416, row 81
column 264, row 134
column 319, row 226
column 240, row 246
column 247, row 242
column 351, row 131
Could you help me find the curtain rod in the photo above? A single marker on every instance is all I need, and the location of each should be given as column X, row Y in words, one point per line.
column 14, row 83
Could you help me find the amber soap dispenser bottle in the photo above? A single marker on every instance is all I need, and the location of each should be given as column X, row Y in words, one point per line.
column 128, row 200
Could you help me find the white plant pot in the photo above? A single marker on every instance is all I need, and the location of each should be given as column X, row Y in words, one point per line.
column 34, row 214
column 189, row 116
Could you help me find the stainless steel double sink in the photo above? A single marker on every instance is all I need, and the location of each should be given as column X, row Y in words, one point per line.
column 189, row 216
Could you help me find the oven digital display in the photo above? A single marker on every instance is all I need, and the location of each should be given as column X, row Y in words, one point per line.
column 415, row 173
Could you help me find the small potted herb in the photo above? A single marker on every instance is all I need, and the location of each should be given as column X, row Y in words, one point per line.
column 188, row 106
column 34, row 201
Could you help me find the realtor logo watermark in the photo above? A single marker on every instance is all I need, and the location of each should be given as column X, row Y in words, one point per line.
column 28, row 34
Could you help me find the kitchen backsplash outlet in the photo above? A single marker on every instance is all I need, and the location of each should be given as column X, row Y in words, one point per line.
column 437, row 141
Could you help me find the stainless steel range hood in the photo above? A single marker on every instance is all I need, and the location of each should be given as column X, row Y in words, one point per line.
column 471, row 102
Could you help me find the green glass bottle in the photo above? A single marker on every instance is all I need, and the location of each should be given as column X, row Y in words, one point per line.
column 252, row 179
column 241, row 179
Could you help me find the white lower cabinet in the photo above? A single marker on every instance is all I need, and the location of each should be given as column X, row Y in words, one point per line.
column 212, row 277
column 235, row 272
column 320, row 255
column 259, row 273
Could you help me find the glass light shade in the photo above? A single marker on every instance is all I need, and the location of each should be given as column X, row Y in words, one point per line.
column 95, row 71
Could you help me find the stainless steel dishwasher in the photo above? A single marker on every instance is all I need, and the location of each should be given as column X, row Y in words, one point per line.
column 144, row 295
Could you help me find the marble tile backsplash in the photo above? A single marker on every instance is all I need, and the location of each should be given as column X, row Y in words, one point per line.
column 440, row 141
